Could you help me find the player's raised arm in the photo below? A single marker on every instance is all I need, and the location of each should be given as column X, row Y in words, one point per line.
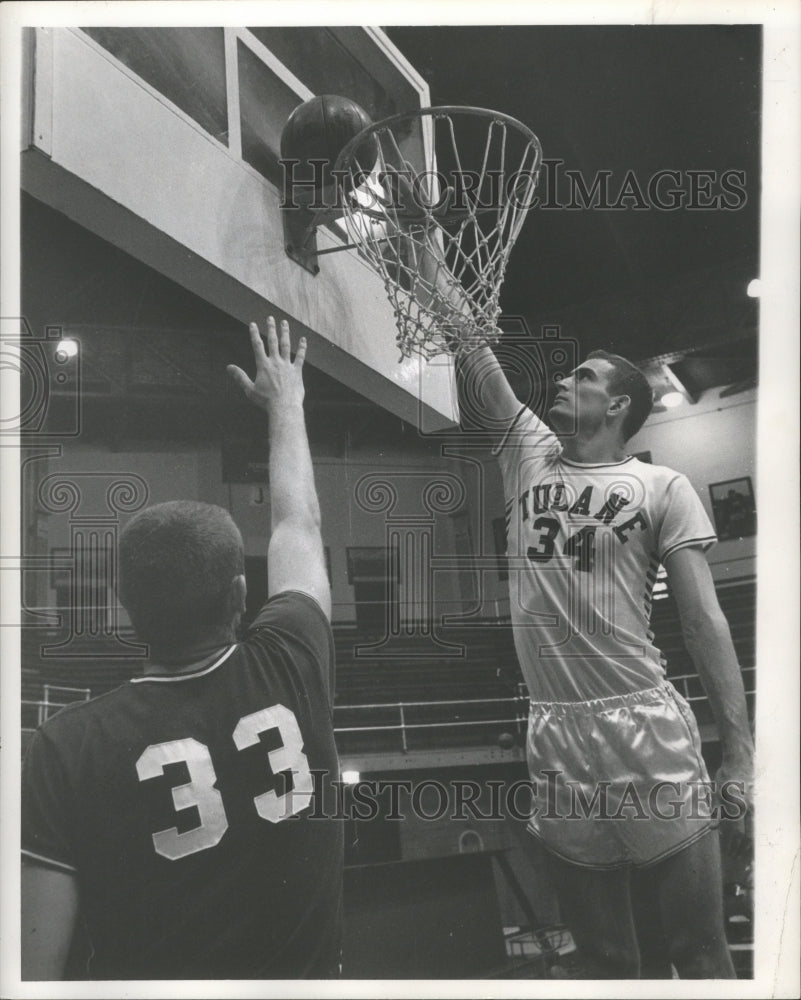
column 485, row 395
column 295, row 559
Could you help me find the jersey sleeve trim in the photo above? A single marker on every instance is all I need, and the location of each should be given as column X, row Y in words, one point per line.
column 41, row 859
column 255, row 627
column 704, row 543
column 502, row 443
column 308, row 597
column 596, row 465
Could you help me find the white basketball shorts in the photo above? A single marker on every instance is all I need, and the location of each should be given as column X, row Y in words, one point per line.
column 619, row 781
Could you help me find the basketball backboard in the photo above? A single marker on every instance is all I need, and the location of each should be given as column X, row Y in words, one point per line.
column 165, row 142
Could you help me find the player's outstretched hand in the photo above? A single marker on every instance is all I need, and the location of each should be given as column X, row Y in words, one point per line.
column 279, row 379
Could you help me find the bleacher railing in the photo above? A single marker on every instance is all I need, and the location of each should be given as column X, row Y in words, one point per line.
column 55, row 697
column 514, row 719
column 510, row 712
column 682, row 683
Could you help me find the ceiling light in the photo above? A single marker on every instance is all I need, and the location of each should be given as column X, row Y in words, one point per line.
column 671, row 399
column 66, row 349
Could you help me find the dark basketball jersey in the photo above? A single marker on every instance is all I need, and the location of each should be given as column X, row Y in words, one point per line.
column 193, row 807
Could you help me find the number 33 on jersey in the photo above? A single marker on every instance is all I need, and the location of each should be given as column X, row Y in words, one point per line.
column 201, row 792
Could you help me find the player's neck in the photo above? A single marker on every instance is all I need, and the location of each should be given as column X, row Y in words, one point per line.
column 189, row 658
column 596, row 448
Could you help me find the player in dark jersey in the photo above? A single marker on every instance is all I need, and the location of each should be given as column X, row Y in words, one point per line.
column 186, row 817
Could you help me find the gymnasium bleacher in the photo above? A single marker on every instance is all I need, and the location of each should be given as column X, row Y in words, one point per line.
column 401, row 694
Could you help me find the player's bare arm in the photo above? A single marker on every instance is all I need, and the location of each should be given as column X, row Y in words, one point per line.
column 295, row 559
column 49, row 913
column 484, row 390
column 708, row 639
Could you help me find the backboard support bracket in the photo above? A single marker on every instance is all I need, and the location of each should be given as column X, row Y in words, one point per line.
column 300, row 238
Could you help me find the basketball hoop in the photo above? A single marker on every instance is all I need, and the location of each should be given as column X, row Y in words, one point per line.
column 440, row 240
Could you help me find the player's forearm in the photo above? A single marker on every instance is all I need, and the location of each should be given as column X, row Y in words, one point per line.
column 292, row 491
column 436, row 288
column 485, row 395
column 710, row 645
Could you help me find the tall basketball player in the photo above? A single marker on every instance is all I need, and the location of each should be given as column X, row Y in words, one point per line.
column 614, row 750
column 588, row 527
column 179, row 816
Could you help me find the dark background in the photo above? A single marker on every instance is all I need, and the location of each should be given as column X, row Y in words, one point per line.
column 622, row 98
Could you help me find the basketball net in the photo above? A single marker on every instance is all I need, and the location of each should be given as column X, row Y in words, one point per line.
column 441, row 241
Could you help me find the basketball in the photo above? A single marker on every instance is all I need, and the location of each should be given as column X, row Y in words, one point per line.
column 506, row 741
column 319, row 129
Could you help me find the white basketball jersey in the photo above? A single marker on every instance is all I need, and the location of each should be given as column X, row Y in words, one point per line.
column 584, row 543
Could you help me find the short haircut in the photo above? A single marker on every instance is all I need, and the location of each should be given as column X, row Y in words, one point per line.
column 177, row 562
column 628, row 380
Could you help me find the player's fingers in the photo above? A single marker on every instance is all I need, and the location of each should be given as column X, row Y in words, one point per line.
column 240, row 378
column 300, row 356
column 257, row 344
column 272, row 337
column 283, row 340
